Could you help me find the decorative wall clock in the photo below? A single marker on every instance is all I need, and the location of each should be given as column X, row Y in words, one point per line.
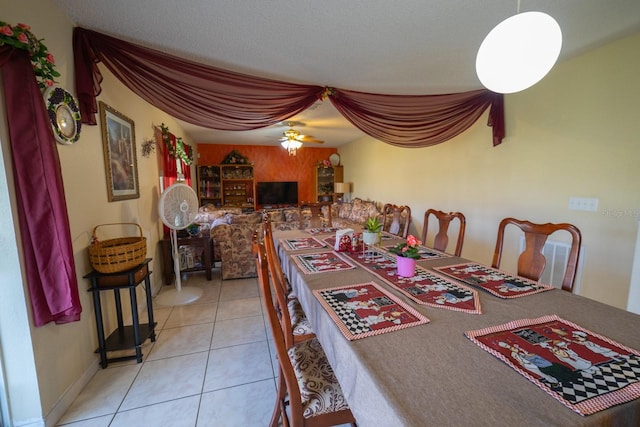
column 64, row 114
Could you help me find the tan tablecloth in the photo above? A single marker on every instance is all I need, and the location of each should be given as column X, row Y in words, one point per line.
column 432, row 375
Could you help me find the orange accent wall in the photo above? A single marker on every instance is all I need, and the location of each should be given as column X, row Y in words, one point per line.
column 272, row 163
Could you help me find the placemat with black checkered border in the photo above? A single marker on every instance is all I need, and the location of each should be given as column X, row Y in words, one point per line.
column 585, row 371
column 365, row 309
column 492, row 280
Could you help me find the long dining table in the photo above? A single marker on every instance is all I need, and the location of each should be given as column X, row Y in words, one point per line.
column 432, row 374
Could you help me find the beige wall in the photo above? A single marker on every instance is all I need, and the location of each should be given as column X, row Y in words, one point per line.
column 64, row 354
column 576, row 133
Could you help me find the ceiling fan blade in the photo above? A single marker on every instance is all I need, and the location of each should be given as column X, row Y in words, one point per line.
column 307, row 138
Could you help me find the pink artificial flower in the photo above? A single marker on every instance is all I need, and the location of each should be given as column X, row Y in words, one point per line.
column 405, row 249
column 6, row 30
column 412, row 241
column 22, row 37
column 24, row 26
column 48, row 82
column 50, row 59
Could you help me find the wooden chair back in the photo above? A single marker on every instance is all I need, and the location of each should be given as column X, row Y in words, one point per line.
column 278, row 333
column 396, row 219
column 441, row 240
column 294, row 416
column 279, row 281
column 531, row 262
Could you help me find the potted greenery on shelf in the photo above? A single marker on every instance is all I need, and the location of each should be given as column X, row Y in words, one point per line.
column 372, row 229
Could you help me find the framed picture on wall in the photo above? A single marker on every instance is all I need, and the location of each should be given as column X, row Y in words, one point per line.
column 119, row 147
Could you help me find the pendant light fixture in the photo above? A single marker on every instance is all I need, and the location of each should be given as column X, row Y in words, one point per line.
column 519, row 52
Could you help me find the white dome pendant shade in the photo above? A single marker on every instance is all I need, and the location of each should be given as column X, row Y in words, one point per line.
column 519, row 52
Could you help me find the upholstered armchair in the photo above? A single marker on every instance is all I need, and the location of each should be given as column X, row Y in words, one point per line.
column 236, row 258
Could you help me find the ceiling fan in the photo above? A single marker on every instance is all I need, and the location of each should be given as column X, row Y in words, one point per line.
column 293, row 139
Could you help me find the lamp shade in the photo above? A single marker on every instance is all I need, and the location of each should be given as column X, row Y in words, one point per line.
column 519, row 52
column 341, row 187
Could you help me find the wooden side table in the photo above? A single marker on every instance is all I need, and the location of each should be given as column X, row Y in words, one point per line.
column 202, row 241
column 123, row 337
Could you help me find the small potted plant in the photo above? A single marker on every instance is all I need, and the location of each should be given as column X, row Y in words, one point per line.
column 406, row 255
column 193, row 230
column 372, row 229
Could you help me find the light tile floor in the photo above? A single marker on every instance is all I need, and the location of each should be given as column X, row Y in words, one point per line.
column 211, row 365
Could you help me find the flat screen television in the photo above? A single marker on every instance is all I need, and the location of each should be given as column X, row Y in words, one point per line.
column 277, row 193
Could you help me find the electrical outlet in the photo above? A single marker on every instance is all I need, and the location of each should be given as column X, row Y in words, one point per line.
column 583, row 204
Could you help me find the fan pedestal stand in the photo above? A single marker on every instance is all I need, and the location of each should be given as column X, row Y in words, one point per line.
column 179, row 295
column 186, row 295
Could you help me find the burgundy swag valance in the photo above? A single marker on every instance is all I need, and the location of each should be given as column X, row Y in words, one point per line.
column 225, row 100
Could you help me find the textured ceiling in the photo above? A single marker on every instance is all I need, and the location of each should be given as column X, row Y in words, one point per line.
column 379, row 46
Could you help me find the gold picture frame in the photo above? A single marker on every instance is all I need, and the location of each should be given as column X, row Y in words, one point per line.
column 119, row 148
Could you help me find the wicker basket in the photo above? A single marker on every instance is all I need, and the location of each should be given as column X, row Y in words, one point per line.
column 116, row 255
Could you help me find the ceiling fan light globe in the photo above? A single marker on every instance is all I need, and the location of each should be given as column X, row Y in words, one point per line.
column 519, row 52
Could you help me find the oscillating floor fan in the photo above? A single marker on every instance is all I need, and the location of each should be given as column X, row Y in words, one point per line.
column 177, row 207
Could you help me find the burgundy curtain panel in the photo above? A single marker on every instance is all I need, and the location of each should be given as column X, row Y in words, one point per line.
column 218, row 99
column 42, row 209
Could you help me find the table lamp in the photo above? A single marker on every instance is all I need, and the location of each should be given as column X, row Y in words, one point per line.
column 342, row 189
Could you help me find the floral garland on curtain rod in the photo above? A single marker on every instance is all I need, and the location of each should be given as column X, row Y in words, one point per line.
column 181, row 150
column 21, row 37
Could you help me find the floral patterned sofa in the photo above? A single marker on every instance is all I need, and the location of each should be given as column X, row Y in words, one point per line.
column 354, row 213
column 232, row 232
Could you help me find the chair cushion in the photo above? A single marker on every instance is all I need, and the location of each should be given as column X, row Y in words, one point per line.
column 299, row 322
column 319, row 387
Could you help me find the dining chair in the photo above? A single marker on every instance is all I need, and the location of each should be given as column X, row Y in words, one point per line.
column 396, row 219
column 531, row 261
column 291, row 312
column 293, row 319
column 441, row 240
column 317, row 218
column 315, row 397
